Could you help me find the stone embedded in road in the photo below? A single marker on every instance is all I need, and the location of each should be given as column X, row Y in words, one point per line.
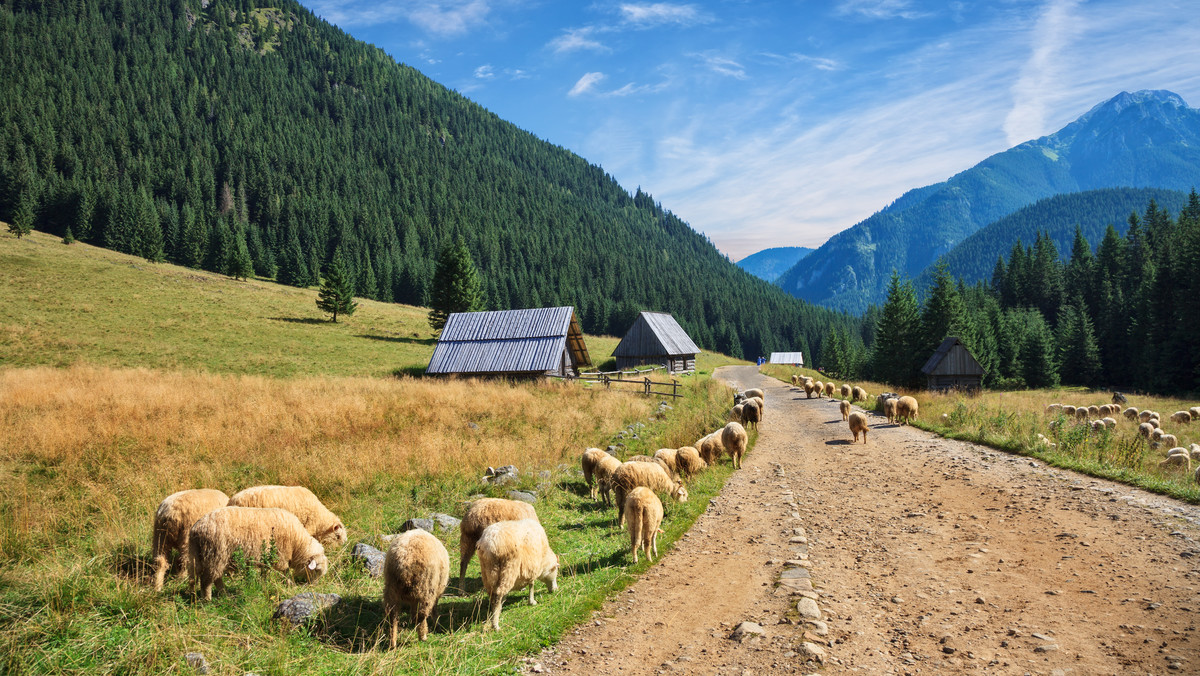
column 747, row 630
column 812, row 651
column 808, row 609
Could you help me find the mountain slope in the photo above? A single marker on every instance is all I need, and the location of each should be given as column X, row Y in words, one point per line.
column 196, row 132
column 768, row 264
column 1143, row 139
column 974, row 258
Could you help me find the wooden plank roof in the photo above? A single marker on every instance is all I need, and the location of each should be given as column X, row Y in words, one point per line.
column 787, row 358
column 952, row 358
column 655, row 334
column 508, row 341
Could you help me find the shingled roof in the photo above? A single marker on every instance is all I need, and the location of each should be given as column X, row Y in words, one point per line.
column 946, row 360
column 509, row 341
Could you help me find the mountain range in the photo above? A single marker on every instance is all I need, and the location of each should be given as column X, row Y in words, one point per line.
column 769, row 264
column 1142, row 139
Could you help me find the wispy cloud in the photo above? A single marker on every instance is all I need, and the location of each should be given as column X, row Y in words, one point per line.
column 818, row 62
column 1041, row 77
column 722, row 65
column 661, row 13
column 577, row 39
column 485, row 72
column 879, row 9
column 443, row 18
column 586, row 84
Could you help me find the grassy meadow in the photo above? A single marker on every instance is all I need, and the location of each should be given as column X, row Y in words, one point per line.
column 1012, row 421
column 124, row 381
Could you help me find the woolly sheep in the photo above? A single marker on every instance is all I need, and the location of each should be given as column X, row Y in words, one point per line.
column 597, row 465
column 416, row 571
column 667, row 455
column 710, row 448
column 656, row 461
column 762, row 405
column 322, row 523
column 751, row 413
column 1068, row 411
column 907, row 409
column 756, row 392
column 1169, row 440
column 795, row 380
column 483, row 513
column 630, row 475
column 858, row 423
column 1054, row 409
column 889, row 410
column 736, row 414
column 688, row 461
column 1130, row 413
column 845, row 391
column 808, row 389
column 1145, row 429
column 645, row 513
column 733, row 439
column 217, row 535
column 844, row 406
column 859, row 394
column 1156, row 435
column 1082, row 413
column 1181, row 417
column 172, row 521
column 1194, row 451
column 820, row 388
column 1177, row 459
column 1146, row 415
column 1097, row 425
column 1093, row 411
column 515, row 555
column 1194, row 412
column 829, row 389
column 1110, row 423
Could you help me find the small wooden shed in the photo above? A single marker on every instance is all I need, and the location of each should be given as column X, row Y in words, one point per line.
column 656, row 338
column 788, row 358
column 536, row 342
column 953, row 365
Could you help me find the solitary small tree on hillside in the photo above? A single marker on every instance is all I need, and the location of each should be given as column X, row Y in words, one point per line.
column 22, row 221
column 337, row 289
column 456, row 285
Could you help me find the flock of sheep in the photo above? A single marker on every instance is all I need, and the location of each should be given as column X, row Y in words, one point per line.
column 288, row 528
column 1099, row 418
column 896, row 408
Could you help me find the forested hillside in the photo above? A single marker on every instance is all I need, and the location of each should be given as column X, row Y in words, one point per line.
column 252, row 129
column 768, row 264
column 974, row 259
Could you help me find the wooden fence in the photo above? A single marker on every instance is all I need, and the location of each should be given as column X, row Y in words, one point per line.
column 643, row 383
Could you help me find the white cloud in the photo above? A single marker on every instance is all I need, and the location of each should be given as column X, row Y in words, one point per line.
column 661, row 13
column 586, row 84
column 485, row 72
column 818, row 62
column 879, row 9
column 443, row 18
column 723, row 65
column 1041, row 81
column 575, row 39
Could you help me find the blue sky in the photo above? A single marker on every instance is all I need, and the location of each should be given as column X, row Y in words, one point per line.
column 781, row 123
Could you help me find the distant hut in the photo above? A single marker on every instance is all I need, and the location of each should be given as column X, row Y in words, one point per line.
column 953, row 365
column 656, row 338
column 538, row 342
column 788, row 358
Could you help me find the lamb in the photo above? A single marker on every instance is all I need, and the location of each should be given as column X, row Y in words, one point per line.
column 630, row 475
column 597, row 466
column 416, row 571
column 483, row 513
column 645, row 513
column 515, row 555
column 733, row 439
column 322, row 523
column 858, row 423
column 736, row 414
column 1130, row 413
column 172, row 521
column 1054, row 409
column 820, row 388
column 1145, row 429
column 667, row 455
column 751, row 413
column 844, row 406
column 859, row 394
column 845, row 391
column 907, row 409
column 889, row 410
column 217, row 535
column 1181, row 417
column 688, row 461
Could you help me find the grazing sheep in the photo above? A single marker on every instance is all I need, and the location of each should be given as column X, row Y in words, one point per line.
column 889, row 410
column 1130, row 413
column 483, row 513
column 1145, row 429
column 751, row 413
column 1068, row 411
column 667, row 455
column 1054, row 409
column 630, row 475
column 172, row 521
column 1082, row 413
column 859, row 394
column 645, row 512
column 1097, row 425
column 515, row 555
column 322, row 523
column 755, row 392
column 829, row 389
column 858, row 423
column 820, row 388
column 1093, row 411
column 416, row 571
column 845, row 390
column 1181, row 417
column 710, row 448
column 595, row 462
column 1181, row 459
column 762, row 405
column 217, row 535
column 1169, row 440
column 733, row 439
column 844, row 407
column 1156, row 423
column 1146, row 415
column 657, row 461
column 1194, row 451
column 688, row 461
column 1110, row 423
column 1194, row 412
column 907, row 409
column 736, row 414
column 809, row 386
column 1157, row 434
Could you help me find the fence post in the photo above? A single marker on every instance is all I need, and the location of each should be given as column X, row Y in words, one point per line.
column 647, row 385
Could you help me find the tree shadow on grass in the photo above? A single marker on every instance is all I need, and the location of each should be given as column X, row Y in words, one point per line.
column 300, row 320
column 357, row 624
column 399, row 339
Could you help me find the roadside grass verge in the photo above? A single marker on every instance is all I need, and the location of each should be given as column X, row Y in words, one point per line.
column 1011, row 421
column 88, row 452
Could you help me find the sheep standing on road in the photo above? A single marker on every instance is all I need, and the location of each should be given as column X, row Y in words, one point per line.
column 844, row 406
column 217, row 535
column 733, row 440
column 513, row 555
column 751, row 413
column 858, row 423
column 483, row 513
column 416, row 571
column 907, row 409
column 322, row 523
column 889, row 409
column 173, row 520
column 845, row 390
column 809, row 386
column 829, row 389
column 645, row 514
column 820, row 388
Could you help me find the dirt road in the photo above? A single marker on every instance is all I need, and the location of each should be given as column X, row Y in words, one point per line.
column 927, row 556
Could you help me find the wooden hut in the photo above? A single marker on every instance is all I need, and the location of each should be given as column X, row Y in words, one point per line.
column 787, row 358
column 656, row 338
column 537, row 342
column 953, row 365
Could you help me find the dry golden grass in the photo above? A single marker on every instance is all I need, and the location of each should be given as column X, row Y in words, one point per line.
column 84, row 446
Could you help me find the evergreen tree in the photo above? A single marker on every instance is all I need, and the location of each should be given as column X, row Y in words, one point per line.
column 1038, row 364
column 456, row 285
column 68, row 236
column 897, row 335
column 1078, row 353
column 238, row 263
column 943, row 310
column 336, row 295
column 22, row 220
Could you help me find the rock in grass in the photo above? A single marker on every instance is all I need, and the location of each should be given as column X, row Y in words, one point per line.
column 302, row 609
column 197, row 662
column 424, row 524
column 445, row 521
column 370, row 557
column 523, row 496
